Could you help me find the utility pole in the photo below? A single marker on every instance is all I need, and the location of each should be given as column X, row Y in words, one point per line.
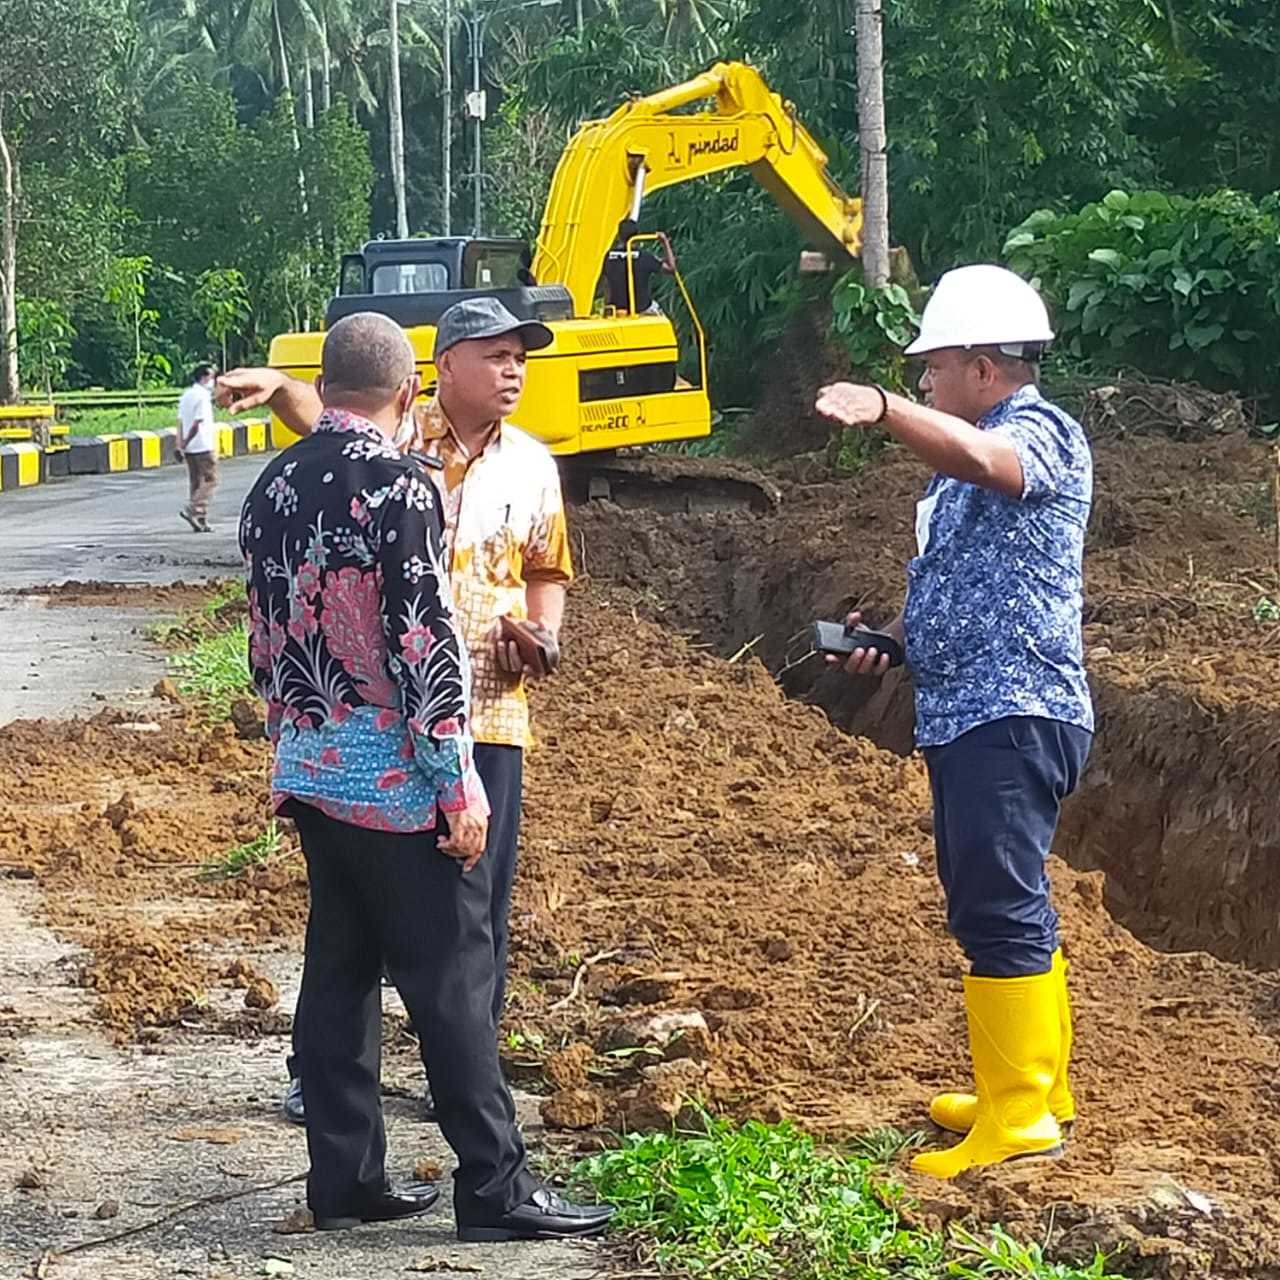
column 872, row 143
column 476, row 109
column 446, row 120
column 397, row 123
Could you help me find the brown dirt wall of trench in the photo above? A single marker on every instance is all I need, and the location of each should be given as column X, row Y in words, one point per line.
column 1181, row 801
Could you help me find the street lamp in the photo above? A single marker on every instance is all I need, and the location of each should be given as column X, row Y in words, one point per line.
column 477, row 100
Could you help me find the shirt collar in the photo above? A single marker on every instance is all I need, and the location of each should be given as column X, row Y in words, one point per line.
column 344, row 420
column 434, row 427
column 1020, row 399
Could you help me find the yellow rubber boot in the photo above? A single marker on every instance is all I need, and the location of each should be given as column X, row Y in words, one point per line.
column 955, row 1111
column 1014, row 1038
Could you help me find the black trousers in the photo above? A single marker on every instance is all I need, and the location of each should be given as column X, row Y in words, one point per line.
column 997, row 794
column 380, row 897
column 501, row 769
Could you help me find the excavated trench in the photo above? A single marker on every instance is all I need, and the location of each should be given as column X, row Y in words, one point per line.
column 1179, row 803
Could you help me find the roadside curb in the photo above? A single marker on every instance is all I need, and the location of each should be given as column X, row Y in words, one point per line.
column 25, row 464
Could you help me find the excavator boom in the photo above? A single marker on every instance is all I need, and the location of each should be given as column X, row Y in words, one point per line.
column 649, row 143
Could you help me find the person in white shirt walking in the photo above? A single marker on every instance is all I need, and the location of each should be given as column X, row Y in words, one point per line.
column 198, row 443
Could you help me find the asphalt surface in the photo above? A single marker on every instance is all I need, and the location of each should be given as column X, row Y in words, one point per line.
column 120, row 528
column 124, row 528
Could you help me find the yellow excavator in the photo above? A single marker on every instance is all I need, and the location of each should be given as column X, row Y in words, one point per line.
column 611, row 378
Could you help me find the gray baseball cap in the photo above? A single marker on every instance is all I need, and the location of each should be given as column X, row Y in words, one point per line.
column 486, row 318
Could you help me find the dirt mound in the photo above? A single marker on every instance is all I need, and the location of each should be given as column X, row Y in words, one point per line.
column 172, row 596
column 1186, row 677
column 142, row 977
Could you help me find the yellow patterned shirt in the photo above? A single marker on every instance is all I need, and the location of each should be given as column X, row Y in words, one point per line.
column 504, row 528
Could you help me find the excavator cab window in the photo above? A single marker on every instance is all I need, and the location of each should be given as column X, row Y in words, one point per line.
column 410, row 277
column 490, row 264
column 351, row 277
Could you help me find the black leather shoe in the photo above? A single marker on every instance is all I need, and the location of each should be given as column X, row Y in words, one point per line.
column 291, row 1105
column 543, row 1216
column 402, row 1202
column 428, row 1112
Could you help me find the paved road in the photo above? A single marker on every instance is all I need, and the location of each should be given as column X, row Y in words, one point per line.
column 123, row 528
column 119, row 528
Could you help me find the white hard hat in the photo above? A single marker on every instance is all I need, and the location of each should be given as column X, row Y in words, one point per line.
column 982, row 306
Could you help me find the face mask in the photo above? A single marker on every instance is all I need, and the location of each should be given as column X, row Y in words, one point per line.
column 406, row 430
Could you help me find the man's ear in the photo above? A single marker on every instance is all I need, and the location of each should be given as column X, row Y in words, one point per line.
column 987, row 371
column 413, row 384
column 318, row 383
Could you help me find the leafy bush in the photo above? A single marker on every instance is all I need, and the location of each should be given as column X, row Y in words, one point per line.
column 1177, row 287
column 874, row 325
column 769, row 1202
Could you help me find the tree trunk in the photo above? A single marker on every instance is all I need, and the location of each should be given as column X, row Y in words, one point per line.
column 577, row 16
column 872, row 143
column 308, row 91
column 326, row 67
column 446, row 122
column 9, row 385
column 396, row 109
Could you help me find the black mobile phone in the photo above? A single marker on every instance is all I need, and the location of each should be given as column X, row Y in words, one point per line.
column 840, row 639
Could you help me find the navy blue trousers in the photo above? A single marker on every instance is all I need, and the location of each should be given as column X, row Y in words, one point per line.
column 997, row 794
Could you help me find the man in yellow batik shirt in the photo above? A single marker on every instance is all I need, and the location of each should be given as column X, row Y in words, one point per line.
column 507, row 547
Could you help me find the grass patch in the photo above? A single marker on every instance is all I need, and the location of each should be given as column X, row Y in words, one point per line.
column 105, row 422
column 767, row 1202
column 215, row 669
column 240, row 858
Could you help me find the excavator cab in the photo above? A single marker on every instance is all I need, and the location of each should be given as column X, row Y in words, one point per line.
column 416, row 281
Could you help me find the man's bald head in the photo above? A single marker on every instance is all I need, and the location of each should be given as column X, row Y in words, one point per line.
column 365, row 361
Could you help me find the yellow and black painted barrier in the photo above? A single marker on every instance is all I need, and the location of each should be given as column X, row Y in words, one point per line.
column 25, row 463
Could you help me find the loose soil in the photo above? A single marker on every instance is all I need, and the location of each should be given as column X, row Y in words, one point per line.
column 726, row 892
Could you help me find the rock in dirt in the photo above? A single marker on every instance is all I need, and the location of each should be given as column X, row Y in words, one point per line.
column 665, row 1095
column 567, row 1068
column 166, row 691
column 428, row 1170
column 675, row 1033
column 107, row 1209
column 30, row 1180
column 246, row 715
column 647, row 988
column 260, row 993
column 297, row 1222
column 573, row 1109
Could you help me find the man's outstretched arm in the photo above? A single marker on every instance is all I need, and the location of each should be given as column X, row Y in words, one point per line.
column 294, row 402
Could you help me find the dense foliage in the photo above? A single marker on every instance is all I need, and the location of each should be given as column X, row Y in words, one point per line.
column 1177, row 287
column 238, row 147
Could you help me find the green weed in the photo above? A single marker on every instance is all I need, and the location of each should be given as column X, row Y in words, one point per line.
column 767, row 1202
column 215, row 669
column 255, row 853
column 104, row 422
column 1266, row 610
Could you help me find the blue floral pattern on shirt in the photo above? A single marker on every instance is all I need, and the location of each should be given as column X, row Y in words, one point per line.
column 993, row 613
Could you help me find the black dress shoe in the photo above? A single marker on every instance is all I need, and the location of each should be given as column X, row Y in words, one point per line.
column 428, row 1112
column 402, row 1202
column 291, row 1105
column 543, row 1216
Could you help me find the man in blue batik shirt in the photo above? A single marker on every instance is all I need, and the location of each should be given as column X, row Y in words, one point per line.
column 992, row 632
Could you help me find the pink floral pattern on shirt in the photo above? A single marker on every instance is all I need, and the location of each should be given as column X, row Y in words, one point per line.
column 352, row 638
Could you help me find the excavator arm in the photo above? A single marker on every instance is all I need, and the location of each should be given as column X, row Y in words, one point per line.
column 648, row 143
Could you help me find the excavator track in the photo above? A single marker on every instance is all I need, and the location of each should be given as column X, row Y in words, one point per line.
column 668, row 482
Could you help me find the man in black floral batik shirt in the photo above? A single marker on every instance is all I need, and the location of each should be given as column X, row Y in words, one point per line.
column 355, row 650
